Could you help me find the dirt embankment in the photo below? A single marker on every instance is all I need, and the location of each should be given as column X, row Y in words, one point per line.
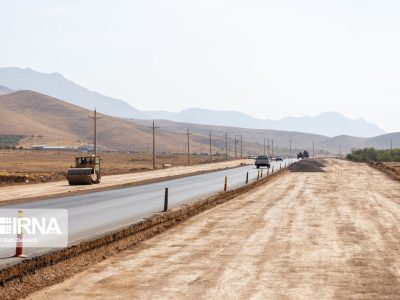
column 314, row 235
column 308, row 165
column 391, row 169
column 20, row 167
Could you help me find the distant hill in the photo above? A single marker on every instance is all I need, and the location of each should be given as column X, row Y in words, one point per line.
column 46, row 120
column 5, row 90
column 328, row 124
column 300, row 140
column 57, row 86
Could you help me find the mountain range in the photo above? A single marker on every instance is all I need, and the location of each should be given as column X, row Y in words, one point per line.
column 54, row 84
column 46, row 120
column 328, row 124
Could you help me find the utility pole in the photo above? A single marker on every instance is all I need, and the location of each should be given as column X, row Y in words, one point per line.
column 269, row 149
column 241, row 145
column 210, row 147
column 188, row 140
column 391, row 150
column 154, row 145
column 235, row 147
column 272, row 148
column 264, row 146
column 226, row 145
column 313, row 148
column 340, row 150
column 290, row 149
column 95, row 117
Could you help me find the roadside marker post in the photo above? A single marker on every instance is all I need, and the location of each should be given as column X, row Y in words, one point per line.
column 272, row 171
column 247, row 177
column 280, row 167
column 19, row 251
column 267, row 171
column 166, row 200
column 258, row 174
column 261, row 173
column 226, row 183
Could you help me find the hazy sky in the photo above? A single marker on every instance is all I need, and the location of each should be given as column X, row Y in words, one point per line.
column 269, row 59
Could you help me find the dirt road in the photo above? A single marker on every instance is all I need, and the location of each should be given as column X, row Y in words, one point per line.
column 332, row 235
column 10, row 193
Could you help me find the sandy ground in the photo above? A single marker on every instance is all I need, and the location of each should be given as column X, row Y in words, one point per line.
column 332, row 235
column 8, row 193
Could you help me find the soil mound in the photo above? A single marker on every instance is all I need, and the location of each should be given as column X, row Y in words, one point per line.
column 307, row 165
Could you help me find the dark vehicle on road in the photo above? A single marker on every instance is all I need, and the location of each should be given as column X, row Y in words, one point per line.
column 262, row 161
column 305, row 154
column 279, row 158
column 300, row 155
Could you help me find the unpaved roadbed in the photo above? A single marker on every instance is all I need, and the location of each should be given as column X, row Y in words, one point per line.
column 13, row 193
column 305, row 236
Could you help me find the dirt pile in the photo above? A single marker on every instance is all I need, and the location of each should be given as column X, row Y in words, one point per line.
column 308, row 165
column 16, row 178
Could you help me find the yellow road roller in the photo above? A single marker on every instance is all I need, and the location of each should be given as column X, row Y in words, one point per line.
column 86, row 171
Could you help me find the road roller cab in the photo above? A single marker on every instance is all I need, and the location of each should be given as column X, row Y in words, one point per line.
column 86, row 171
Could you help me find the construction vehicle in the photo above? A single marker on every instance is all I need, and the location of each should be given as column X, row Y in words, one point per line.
column 86, row 171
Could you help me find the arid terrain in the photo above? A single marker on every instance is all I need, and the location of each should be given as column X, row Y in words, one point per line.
column 44, row 166
column 313, row 235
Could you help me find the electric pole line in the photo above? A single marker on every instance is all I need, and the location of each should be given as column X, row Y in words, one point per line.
column 272, row 142
column 95, row 117
column 269, row 149
column 391, row 150
column 313, row 148
column 290, row 149
column 210, row 147
column 226, row 146
column 264, row 146
column 154, row 144
column 188, row 145
column 241, row 147
column 241, row 144
column 235, row 147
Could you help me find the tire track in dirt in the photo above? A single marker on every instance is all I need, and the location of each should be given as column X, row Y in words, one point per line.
column 332, row 235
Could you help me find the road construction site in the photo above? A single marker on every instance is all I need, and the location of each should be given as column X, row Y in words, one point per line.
column 329, row 233
column 22, row 193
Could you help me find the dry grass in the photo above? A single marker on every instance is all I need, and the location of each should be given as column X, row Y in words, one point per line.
column 41, row 166
column 390, row 168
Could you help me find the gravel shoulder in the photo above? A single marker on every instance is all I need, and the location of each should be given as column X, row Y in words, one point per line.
column 22, row 193
column 313, row 235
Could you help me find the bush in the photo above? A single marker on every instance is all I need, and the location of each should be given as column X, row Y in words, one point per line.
column 372, row 154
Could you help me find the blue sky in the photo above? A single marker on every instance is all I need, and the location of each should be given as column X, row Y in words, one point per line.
column 269, row 59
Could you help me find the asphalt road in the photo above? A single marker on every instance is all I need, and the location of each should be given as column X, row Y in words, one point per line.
column 93, row 214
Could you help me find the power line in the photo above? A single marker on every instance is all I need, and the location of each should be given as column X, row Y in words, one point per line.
column 154, row 145
column 95, row 117
column 188, row 140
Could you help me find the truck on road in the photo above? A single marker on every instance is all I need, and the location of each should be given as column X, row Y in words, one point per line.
column 262, row 161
